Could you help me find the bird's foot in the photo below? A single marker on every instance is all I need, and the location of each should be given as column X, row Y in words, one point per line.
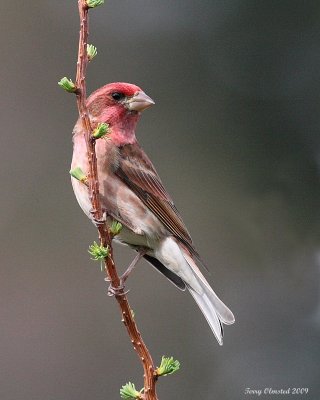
column 98, row 221
column 117, row 291
column 120, row 289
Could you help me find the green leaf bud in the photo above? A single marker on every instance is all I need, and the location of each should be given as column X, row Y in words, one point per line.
column 67, row 85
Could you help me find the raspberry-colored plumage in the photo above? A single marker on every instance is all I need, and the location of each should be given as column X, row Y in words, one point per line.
column 133, row 194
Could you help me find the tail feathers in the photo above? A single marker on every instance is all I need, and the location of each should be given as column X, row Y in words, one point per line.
column 214, row 310
column 225, row 314
column 210, row 314
column 177, row 258
column 174, row 278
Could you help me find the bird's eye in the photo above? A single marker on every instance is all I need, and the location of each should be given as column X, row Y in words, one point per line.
column 117, row 96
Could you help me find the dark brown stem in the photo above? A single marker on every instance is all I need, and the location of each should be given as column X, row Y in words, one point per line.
column 150, row 377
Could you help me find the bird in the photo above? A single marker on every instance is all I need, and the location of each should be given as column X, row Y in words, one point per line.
column 132, row 193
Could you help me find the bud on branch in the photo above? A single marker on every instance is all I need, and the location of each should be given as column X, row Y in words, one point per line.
column 94, row 3
column 91, row 51
column 78, row 174
column 168, row 366
column 67, row 85
column 98, row 252
column 101, row 130
column 129, row 392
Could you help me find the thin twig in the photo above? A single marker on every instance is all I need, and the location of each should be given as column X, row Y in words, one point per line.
column 150, row 376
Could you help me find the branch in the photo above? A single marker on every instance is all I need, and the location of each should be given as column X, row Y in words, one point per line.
column 92, row 181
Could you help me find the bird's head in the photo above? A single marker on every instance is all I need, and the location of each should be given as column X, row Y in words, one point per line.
column 120, row 97
column 119, row 104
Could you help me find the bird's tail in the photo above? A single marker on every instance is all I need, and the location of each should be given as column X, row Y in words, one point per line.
column 214, row 310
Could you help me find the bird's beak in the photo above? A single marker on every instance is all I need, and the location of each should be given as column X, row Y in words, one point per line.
column 139, row 102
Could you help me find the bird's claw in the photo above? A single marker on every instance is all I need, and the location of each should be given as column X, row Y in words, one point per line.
column 120, row 289
column 117, row 291
column 98, row 221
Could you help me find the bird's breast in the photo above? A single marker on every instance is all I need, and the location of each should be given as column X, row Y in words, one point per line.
column 116, row 197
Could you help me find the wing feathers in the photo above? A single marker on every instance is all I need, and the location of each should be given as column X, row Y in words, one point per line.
column 137, row 171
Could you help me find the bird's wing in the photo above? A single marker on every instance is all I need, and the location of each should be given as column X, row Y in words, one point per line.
column 137, row 172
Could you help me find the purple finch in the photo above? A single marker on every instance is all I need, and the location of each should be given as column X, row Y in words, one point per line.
column 133, row 194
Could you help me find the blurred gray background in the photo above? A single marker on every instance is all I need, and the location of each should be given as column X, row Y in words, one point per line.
column 234, row 136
